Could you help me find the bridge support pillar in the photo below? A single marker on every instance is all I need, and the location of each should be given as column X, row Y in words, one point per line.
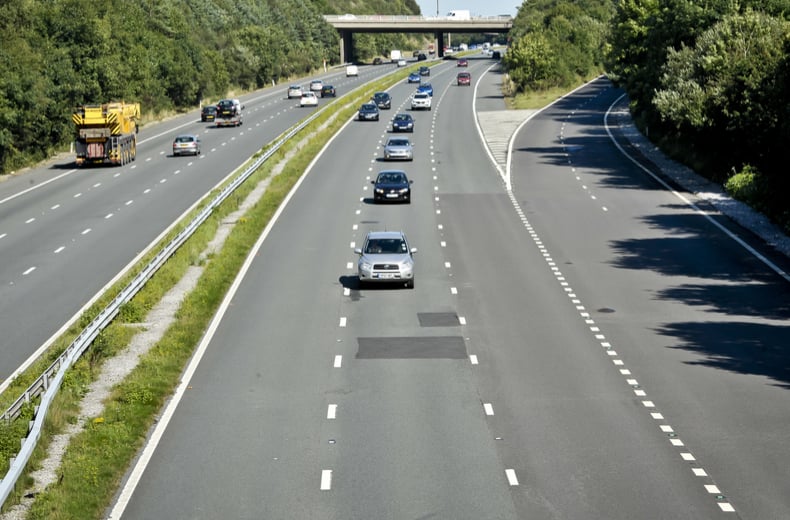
column 439, row 44
column 346, row 46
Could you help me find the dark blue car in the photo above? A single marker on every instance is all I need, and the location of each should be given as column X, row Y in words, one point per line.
column 427, row 88
column 403, row 123
column 414, row 78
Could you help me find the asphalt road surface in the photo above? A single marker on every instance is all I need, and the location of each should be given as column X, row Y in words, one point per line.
column 584, row 346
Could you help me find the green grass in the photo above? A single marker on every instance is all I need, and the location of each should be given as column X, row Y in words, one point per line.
column 98, row 457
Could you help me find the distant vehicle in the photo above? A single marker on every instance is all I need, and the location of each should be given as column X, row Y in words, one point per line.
column 403, row 123
column 395, row 55
column 294, row 91
column 496, row 55
column 462, row 62
column 328, row 91
column 391, row 185
column 421, row 57
column 316, row 85
column 352, row 70
column 229, row 113
column 377, row 60
column 309, row 99
column 413, row 78
column 383, row 100
column 459, row 14
column 425, row 71
column 464, row 78
column 398, row 149
column 208, row 113
column 368, row 112
column 420, row 101
column 401, row 62
column 186, row 144
column 386, row 258
column 426, row 87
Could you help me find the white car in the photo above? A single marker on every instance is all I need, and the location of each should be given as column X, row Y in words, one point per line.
column 294, row 91
column 316, row 85
column 420, row 101
column 352, row 70
column 401, row 62
column 309, row 99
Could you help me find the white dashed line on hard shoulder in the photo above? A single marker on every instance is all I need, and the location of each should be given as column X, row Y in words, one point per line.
column 617, row 361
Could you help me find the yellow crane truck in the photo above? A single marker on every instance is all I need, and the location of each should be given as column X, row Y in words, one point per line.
column 106, row 134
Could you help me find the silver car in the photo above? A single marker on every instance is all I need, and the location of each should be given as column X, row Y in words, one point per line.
column 398, row 149
column 186, row 144
column 386, row 258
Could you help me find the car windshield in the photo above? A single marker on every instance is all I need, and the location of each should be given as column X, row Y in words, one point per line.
column 368, row 107
column 402, row 117
column 386, row 246
column 391, row 178
column 398, row 142
column 184, row 139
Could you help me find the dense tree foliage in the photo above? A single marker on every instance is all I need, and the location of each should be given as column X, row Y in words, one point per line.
column 555, row 43
column 711, row 81
column 166, row 54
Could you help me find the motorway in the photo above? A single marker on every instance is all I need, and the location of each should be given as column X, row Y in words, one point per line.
column 67, row 233
column 584, row 346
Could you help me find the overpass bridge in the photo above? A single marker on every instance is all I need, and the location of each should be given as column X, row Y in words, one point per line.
column 349, row 24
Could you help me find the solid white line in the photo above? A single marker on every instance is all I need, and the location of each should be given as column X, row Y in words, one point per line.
column 692, row 205
column 511, row 477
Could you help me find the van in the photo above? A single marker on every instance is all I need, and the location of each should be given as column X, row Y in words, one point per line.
column 352, row 70
column 459, row 14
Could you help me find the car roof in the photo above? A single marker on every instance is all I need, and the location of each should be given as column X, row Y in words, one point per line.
column 369, row 105
column 385, row 234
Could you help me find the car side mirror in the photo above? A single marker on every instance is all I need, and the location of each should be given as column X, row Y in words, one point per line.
column 373, row 182
column 358, row 250
column 411, row 181
column 413, row 250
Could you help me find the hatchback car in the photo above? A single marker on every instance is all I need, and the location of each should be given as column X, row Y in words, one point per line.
column 426, row 87
column 425, row 71
column 316, row 85
column 368, row 112
column 462, row 62
column 208, row 113
column 403, row 123
column 401, row 63
column 398, row 149
column 382, row 99
column 186, row 144
column 421, row 57
column 309, row 99
column 328, row 91
column 294, row 91
column 413, row 78
column 420, row 100
column 386, row 258
column 464, row 78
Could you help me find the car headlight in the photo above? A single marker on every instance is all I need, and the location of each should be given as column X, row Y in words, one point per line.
column 365, row 266
column 403, row 190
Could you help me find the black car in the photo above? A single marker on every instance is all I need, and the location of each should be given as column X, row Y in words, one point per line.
column 421, row 57
column 392, row 185
column 403, row 123
column 383, row 100
column 328, row 91
column 425, row 71
column 209, row 113
column 368, row 112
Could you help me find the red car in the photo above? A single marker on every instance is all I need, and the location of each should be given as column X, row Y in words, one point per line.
column 462, row 62
column 464, row 78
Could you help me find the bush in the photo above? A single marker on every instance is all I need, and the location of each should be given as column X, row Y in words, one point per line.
column 748, row 186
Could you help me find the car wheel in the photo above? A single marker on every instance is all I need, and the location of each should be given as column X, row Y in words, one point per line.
column 410, row 284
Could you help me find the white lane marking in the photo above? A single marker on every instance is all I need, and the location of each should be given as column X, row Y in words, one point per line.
column 97, row 185
column 699, row 472
column 511, row 477
column 462, row 320
column 453, row 290
column 28, row 221
column 326, row 480
column 667, row 428
column 346, row 291
column 3, row 235
column 78, row 195
column 338, row 361
column 352, row 245
column 147, row 191
column 648, row 404
column 58, row 250
column 657, row 416
column 676, row 442
column 108, row 215
column 726, row 507
column 29, row 270
column 692, row 205
column 162, row 181
column 447, row 265
column 443, row 243
column 687, row 456
column 56, row 206
column 331, row 411
column 342, row 321
column 129, row 202
column 350, row 265
column 489, row 409
column 86, row 231
column 473, row 359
